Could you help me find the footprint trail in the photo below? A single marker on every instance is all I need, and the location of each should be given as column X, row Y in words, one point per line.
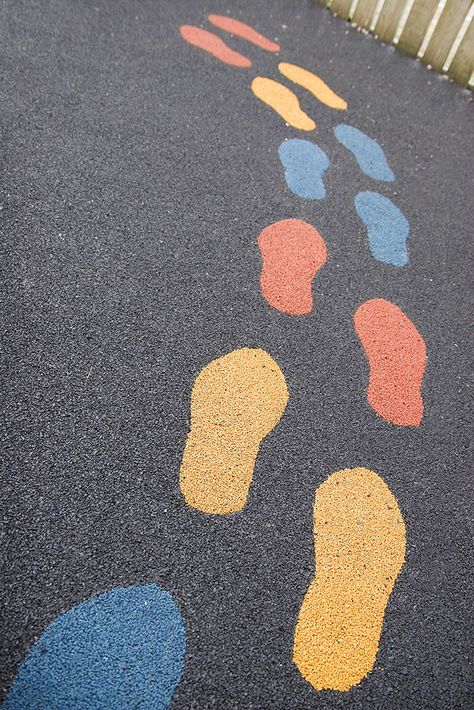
column 369, row 155
column 236, row 401
column 387, row 227
column 359, row 544
column 119, row 650
column 292, row 251
column 209, row 42
column 397, row 358
column 305, row 164
column 314, row 84
column 240, row 29
column 283, row 101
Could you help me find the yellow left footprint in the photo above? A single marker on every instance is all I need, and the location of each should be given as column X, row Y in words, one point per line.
column 283, row 101
column 236, row 401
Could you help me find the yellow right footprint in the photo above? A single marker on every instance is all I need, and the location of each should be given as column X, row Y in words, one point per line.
column 314, row 84
column 283, row 101
column 236, row 401
column 359, row 538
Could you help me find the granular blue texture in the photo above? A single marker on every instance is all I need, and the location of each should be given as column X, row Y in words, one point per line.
column 120, row 650
column 369, row 155
column 387, row 227
column 305, row 164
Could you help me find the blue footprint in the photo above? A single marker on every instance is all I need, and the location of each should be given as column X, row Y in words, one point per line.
column 387, row 227
column 305, row 164
column 369, row 155
column 119, row 650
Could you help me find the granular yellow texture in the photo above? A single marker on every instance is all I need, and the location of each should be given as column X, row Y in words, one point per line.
column 359, row 538
column 236, row 401
column 314, row 84
column 283, row 101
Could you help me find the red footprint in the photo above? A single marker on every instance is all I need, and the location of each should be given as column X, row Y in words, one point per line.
column 292, row 252
column 240, row 29
column 397, row 357
column 213, row 44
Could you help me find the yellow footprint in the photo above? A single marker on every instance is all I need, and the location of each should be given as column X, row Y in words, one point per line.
column 359, row 539
column 283, row 101
column 313, row 84
column 236, row 401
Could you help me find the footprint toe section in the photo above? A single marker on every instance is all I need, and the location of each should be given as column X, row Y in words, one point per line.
column 387, row 227
column 283, row 101
column 397, row 359
column 359, row 540
column 211, row 43
column 305, row 164
column 292, row 252
column 236, row 401
column 369, row 155
column 122, row 649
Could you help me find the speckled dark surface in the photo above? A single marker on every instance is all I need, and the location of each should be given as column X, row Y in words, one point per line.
column 137, row 174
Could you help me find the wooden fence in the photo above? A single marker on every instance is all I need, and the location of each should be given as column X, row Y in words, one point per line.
column 439, row 32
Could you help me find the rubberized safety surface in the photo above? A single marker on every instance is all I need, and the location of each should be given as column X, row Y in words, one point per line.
column 237, row 312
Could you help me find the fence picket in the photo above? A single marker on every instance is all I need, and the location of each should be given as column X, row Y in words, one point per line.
column 462, row 65
column 445, row 33
column 364, row 13
column 341, row 8
column 418, row 22
column 388, row 21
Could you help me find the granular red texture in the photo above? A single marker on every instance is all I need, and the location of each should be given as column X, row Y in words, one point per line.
column 397, row 357
column 292, row 252
column 213, row 44
column 240, row 29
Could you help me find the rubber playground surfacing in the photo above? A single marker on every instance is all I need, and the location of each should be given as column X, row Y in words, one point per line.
column 138, row 174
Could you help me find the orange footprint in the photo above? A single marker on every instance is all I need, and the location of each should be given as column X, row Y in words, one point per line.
column 397, row 357
column 240, row 29
column 292, row 252
column 359, row 544
column 209, row 42
column 236, row 401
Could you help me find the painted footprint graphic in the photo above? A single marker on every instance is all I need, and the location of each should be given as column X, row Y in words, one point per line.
column 359, row 542
column 235, row 403
column 387, row 227
column 397, row 357
column 292, row 253
column 369, row 155
column 305, row 164
column 359, row 530
column 314, row 84
column 283, row 101
column 209, row 42
column 119, row 650
column 240, row 29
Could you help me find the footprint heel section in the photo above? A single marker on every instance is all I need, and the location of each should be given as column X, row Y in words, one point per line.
column 236, row 401
column 359, row 541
